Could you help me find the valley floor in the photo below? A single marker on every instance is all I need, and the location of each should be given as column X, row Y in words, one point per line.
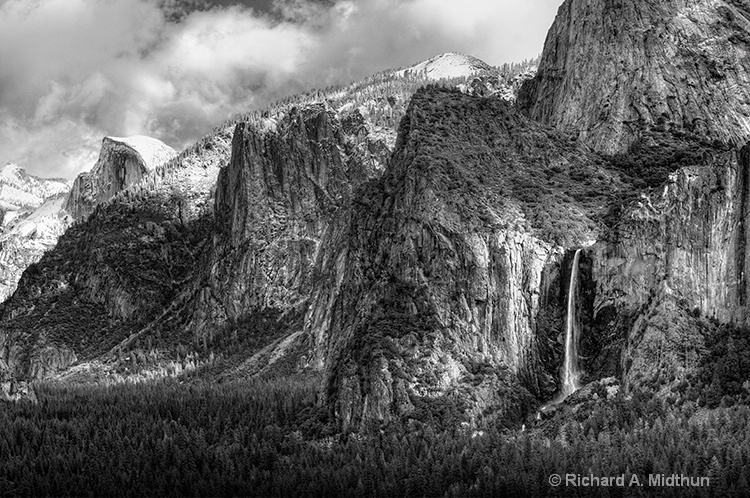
column 272, row 438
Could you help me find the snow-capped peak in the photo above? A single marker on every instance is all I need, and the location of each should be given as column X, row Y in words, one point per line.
column 154, row 152
column 448, row 65
column 12, row 174
column 19, row 189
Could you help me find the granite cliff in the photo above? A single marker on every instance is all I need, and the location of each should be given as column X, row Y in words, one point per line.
column 281, row 203
column 661, row 89
column 611, row 68
column 122, row 162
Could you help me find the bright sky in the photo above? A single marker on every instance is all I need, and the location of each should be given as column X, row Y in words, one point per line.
column 73, row 71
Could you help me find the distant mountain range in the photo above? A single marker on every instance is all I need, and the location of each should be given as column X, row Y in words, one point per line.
column 139, row 171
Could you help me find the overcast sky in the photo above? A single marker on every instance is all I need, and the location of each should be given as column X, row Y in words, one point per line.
column 73, row 71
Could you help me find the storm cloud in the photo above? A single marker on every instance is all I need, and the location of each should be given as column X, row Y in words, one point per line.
column 73, row 71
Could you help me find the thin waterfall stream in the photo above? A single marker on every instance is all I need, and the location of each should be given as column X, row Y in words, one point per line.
column 570, row 362
column 570, row 372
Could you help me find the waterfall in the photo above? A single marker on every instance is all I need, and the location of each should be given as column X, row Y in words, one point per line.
column 570, row 371
column 570, row 363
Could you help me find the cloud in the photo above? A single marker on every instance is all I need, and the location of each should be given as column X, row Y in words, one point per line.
column 75, row 70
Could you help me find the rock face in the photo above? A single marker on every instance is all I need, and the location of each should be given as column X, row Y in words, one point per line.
column 446, row 261
column 677, row 255
column 664, row 87
column 122, row 162
column 284, row 192
column 611, row 68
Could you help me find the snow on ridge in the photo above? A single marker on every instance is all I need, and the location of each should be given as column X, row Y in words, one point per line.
column 153, row 151
column 448, row 65
column 12, row 173
column 18, row 188
column 18, row 197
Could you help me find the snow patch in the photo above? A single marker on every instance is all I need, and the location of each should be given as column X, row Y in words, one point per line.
column 44, row 223
column 17, row 197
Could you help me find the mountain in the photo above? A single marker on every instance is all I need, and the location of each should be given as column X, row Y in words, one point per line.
column 46, row 208
column 122, row 162
column 448, row 65
column 419, row 270
column 20, row 191
column 29, row 223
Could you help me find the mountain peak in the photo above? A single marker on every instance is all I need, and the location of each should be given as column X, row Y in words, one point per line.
column 448, row 65
column 11, row 173
column 153, row 151
column 19, row 189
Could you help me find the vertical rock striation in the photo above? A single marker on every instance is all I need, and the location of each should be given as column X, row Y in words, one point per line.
column 611, row 68
column 286, row 189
